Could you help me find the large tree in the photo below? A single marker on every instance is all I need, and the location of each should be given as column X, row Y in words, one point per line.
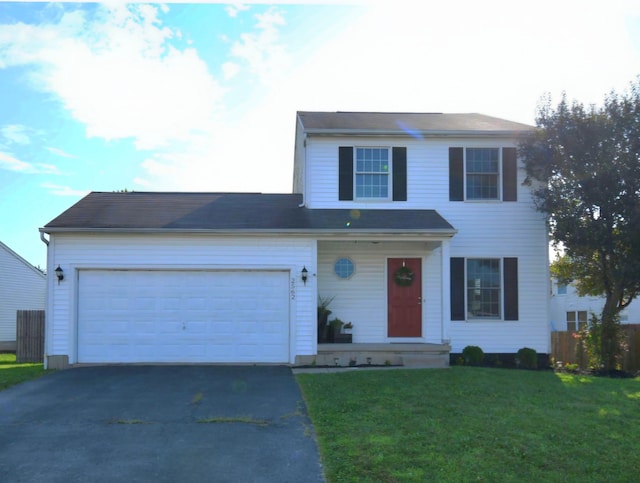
column 584, row 166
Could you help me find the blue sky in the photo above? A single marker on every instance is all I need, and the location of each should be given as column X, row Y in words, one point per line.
column 202, row 97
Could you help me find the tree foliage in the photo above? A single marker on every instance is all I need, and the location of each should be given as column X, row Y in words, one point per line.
column 584, row 166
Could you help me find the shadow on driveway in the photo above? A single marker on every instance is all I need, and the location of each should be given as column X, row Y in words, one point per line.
column 156, row 424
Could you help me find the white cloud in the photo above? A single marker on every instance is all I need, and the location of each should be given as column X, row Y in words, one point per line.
column 261, row 50
column 142, row 182
column 16, row 134
column 59, row 190
column 230, row 70
column 118, row 74
column 10, row 163
column 235, row 8
column 60, row 152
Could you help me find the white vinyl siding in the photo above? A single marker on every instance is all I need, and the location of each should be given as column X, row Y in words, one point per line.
column 22, row 287
column 179, row 252
column 561, row 304
column 485, row 229
column 362, row 299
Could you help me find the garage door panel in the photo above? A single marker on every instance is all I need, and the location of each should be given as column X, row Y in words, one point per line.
column 173, row 316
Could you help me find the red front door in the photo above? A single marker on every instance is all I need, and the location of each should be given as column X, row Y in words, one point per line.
column 404, row 282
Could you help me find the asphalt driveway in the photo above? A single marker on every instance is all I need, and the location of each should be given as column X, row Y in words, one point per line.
column 157, row 424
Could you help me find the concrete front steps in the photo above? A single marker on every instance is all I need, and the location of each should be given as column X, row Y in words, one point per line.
column 397, row 354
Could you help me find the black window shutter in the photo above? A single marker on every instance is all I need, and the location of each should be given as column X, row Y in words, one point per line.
column 456, row 174
column 510, row 268
column 509, row 175
column 399, row 174
column 345, row 173
column 457, row 288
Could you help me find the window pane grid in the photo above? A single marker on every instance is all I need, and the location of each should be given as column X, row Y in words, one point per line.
column 483, row 288
column 344, row 268
column 372, row 173
column 482, row 170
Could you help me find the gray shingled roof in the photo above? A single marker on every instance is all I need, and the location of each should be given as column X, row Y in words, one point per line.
column 232, row 212
column 412, row 123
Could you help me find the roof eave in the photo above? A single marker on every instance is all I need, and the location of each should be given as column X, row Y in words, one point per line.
column 424, row 134
column 349, row 232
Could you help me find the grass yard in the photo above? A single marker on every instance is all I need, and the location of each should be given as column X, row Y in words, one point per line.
column 12, row 373
column 474, row 424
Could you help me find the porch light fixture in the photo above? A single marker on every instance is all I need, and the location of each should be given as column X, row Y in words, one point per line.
column 59, row 274
column 304, row 275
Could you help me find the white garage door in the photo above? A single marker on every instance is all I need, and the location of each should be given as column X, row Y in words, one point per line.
column 183, row 316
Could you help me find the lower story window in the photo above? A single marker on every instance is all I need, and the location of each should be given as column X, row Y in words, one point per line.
column 576, row 320
column 483, row 288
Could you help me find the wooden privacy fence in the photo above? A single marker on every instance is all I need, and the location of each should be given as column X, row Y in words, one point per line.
column 564, row 347
column 30, row 336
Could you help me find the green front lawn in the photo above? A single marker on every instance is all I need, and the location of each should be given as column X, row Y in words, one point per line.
column 12, row 373
column 474, row 424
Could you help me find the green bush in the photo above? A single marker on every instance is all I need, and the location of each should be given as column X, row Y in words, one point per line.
column 473, row 355
column 528, row 358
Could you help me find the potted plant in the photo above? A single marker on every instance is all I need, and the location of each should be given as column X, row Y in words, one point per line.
column 336, row 328
column 347, row 328
column 323, row 317
column 337, row 336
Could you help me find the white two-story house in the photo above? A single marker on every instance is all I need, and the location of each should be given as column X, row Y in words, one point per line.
column 417, row 226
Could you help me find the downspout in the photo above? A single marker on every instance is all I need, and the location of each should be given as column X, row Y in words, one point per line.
column 48, row 304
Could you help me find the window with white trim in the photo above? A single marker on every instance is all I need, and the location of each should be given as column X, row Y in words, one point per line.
column 344, row 268
column 483, row 288
column 562, row 288
column 482, row 173
column 576, row 320
column 372, row 173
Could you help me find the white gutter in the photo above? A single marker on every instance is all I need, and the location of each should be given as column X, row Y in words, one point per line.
column 44, row 240
column 347, row 233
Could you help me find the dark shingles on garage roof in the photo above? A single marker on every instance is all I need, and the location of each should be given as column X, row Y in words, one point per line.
column 231, row 212
column 406, row 123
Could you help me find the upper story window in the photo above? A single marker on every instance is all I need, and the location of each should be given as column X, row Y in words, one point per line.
column 562, row 289
column 372, row 173
column 482, row 173
column 477, row 174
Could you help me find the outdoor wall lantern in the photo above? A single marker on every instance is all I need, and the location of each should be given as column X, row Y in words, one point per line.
column 59, row 274
column 304, row 275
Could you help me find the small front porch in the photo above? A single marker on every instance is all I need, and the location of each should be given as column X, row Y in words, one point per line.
column 427, row 355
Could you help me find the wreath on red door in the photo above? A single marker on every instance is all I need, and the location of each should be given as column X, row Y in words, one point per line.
column 404, row 276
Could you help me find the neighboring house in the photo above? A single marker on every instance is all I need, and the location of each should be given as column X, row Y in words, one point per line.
column 571, row 312
column 417, row 225
column 22, row 287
